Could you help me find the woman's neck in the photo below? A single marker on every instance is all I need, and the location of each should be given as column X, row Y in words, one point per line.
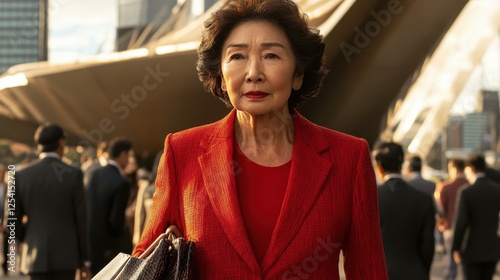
column 265, row 139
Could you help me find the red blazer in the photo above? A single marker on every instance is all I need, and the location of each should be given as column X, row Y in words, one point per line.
column 330, row 205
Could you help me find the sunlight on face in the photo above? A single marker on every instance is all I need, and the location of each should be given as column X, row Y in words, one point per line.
column 469, row 174
column 258, row 68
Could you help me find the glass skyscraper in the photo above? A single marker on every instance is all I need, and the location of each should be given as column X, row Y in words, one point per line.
column 135, row 15
column 23, row 32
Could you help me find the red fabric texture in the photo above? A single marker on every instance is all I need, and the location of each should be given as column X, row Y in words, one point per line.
column 330, row 204
column 261, row 191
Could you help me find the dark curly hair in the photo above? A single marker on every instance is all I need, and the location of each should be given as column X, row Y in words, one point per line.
column 307, row 44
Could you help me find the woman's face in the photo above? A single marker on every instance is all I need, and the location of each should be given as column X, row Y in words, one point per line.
column 258, row 68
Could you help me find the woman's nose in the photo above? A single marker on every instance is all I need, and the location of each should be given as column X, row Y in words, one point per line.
column 254, row 71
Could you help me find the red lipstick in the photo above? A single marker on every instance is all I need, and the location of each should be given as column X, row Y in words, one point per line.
column 256, row 94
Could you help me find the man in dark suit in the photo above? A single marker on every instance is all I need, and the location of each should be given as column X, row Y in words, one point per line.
column 99, row 161
column 108, row 192
column 476, row 243
column 49, row 194
column 416, row 180
column 406, row 219
column 448, row 198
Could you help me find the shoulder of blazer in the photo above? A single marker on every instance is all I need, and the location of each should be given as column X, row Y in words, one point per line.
column 110, row 171
column 482, row 185
column 29, row 166
column 56, row 164
column 201, row 135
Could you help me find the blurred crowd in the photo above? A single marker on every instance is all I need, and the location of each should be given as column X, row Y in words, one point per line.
column 458, row 218
column 116, row 186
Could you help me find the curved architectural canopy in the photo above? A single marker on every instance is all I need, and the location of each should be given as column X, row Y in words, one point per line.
column 373, row 50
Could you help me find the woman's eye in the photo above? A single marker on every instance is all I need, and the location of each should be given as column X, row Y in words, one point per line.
column 236, row 56
column 271, row 56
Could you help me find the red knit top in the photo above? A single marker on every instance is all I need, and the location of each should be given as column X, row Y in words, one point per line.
column 261, row 191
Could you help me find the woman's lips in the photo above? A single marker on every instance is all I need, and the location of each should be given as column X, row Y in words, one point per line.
column 256, row 94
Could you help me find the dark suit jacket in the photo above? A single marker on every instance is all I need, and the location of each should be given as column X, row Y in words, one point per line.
column 477, row 222
column 108, row 193
column 407, row 223
column 50, row 193
column 88, row 172
column 420, row 183
column 426, row 186
column 493, row 174
column 330, row 204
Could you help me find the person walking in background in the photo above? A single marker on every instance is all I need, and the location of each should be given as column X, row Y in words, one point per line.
column 99, row 161
column 476, row 243
column 264, row 190
column 50, row 194
column 415, row 178
column 406, row 218
column 447, row 200
column 108, row 193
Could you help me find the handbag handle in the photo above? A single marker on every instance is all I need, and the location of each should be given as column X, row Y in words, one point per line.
column 171, row 233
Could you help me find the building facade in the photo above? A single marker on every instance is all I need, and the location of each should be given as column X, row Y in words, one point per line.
column 23, row 32
column 140, row 21
column 454, row 132
column 479, row 132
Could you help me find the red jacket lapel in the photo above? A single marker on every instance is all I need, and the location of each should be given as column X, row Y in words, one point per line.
column 307, row 175
column 217, row 167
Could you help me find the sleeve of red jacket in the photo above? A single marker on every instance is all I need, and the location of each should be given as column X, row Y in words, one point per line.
column 363, row 251
column 165, row 207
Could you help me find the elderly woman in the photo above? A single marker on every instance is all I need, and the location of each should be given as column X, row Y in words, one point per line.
column 265, row 193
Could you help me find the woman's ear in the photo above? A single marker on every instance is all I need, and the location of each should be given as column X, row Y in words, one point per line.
column 223, row 84
column 297, row 81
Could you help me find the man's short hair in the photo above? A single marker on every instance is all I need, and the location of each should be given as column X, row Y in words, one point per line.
column 117, row 146
column 390, row 157
column 478, row 163
column 415, row 163
column 47, row 137
column 459, row 164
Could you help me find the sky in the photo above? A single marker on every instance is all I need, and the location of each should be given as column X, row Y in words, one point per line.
column 80, row 29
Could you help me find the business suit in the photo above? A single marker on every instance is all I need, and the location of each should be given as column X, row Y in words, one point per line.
column 88, row 172
column 478, row 218
column 108, row 192
column 330, row 204
column 50, row 193
column 493, row 174
column 407, row 223
column 420, row 183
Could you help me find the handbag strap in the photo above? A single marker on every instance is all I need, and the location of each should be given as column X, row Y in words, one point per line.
column 170, row 234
